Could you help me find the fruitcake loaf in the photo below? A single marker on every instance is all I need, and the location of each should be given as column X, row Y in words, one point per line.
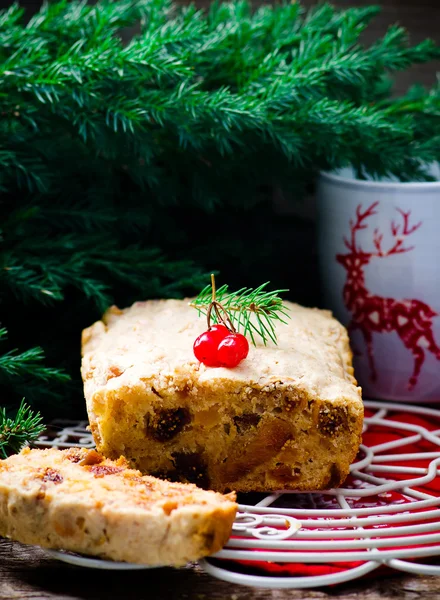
column 77, row 500
column 289, row 416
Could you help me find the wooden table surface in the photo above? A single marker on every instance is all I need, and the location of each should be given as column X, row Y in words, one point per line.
column 29, row 573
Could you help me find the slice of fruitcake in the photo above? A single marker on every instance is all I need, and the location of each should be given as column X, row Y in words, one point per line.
column 289, row 416
column 77, row 500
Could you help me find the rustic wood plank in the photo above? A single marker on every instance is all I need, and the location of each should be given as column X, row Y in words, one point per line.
column 28, row 573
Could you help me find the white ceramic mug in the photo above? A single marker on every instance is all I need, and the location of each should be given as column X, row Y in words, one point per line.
column 379, row 250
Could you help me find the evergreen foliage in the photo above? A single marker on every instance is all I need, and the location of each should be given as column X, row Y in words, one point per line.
column 25, row 427
column 253, row 312
column 113, row 153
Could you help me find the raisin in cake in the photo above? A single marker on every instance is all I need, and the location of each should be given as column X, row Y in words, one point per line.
column 77, row 500
column 288, row 417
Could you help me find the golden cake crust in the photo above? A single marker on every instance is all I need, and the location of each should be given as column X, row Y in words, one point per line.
column 251, row 428
column 77, row 500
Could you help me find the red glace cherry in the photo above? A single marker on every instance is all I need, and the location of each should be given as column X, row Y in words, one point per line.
column 232, row 350
column 243, row 344
column 219, row 331
column 206, row 349
column 221, row 345
column 206, row 345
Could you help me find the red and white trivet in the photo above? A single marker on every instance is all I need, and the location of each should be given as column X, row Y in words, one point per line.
column 387, row 516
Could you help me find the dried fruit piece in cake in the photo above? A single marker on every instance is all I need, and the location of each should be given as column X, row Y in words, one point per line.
column 288, row 417
column 77, row 500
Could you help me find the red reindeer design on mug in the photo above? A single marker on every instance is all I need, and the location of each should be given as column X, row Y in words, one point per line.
column 411, row 319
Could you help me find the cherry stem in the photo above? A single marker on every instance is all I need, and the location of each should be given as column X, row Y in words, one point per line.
column 220, row 311
column 213, row 286
column 222, row 316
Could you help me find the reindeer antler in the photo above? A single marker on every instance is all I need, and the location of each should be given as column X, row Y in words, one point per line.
column 399, row 234
column 359, row 224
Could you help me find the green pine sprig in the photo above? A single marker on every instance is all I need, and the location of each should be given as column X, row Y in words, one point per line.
column 259, row 81
column 16, row 432
column 253, row 312
column 26, row 374
column 29, row 364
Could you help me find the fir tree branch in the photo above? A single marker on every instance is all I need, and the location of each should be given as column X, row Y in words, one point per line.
column 28, row 172
column 28, row 364
column 27, row 374
column 252, row 311
column 27, row 283
column 158, row 89
column 32, row 273
column 16, row 433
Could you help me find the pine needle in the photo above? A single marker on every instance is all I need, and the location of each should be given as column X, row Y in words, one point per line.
column 28, row 364
column 253, row 312
column 17, row 432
